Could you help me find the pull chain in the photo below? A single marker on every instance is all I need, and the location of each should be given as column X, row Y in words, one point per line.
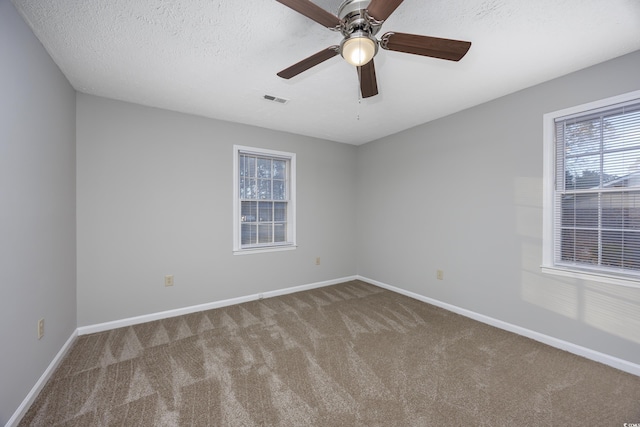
column 359, row 94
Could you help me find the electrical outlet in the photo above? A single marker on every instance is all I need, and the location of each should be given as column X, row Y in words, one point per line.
column 40, row 328
column 439, row 274
column 318, row 261
column 168, row 280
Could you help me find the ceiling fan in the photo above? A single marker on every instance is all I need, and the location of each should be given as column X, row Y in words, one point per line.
column 359, row 21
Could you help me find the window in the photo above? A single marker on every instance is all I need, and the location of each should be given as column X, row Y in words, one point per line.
column 592, row 191
column 264, row 200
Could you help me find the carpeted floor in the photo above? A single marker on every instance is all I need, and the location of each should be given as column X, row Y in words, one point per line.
column 345, row 355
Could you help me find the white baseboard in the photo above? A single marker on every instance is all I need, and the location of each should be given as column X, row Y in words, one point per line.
column 587, row 353
column 100, row 327
column 37, row 388
column 606, row 359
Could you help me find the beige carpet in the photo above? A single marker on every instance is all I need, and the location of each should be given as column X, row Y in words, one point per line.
column 345, row 355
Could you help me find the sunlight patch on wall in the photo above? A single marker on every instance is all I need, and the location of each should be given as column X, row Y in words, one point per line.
column 553, row 295
column 614, row 310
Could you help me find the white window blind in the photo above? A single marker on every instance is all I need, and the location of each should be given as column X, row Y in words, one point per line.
column 597, row 191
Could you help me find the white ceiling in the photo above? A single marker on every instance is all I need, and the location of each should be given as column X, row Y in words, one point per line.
column 218, row 58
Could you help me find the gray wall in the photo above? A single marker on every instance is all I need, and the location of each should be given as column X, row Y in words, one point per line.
column 464, row 194
column 37, row 209
column 155, row 198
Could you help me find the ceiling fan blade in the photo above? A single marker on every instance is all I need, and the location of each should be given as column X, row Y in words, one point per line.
column 309, row 62
column 312, row 11
column 367, row 76
column 453, row 50
column 381, row 9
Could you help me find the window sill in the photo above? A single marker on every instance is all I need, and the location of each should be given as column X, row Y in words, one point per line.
column 265, row 249
column 591, row 276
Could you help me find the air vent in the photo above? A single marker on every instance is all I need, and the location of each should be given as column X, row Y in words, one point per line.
column 275, row 99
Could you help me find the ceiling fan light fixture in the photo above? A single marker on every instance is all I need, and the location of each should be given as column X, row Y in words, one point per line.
column 358, row 49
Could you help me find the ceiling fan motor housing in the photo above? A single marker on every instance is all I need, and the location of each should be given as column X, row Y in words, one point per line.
column 354, row 17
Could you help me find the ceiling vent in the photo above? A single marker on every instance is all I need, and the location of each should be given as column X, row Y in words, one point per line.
column 276, row 99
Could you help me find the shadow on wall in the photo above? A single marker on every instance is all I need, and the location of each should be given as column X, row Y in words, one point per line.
column 611, row 308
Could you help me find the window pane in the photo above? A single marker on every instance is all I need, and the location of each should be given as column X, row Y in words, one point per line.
column 280, row 232
column 242, row 166
column 582, row 172
column 279, row 169
column 265, row 211
column 567, row 245
column 279, row 211
column 264, row 233
column 586, row 210
column 242, row 187
column 580, row 246
column 612, row 210
column 631, row 247
column 621, row 130
column 580, row 210
column 249, row 234
column 264, row 188
column 248, row 188
column 249, row 211
column 279, row 192
column 569, row 210
column 586, row 246
column 264, row 168
column 582, row 137
column 612, row 248
column 622, row 167
column 247, row 166
column 632, row 211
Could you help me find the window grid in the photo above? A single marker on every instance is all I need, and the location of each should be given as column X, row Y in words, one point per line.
column 264, row 190
column 597, row 212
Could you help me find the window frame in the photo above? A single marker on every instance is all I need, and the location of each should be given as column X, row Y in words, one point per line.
column 549, row 264
column 290, row 244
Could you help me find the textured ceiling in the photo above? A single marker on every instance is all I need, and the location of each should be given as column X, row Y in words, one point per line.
column 218, row 58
